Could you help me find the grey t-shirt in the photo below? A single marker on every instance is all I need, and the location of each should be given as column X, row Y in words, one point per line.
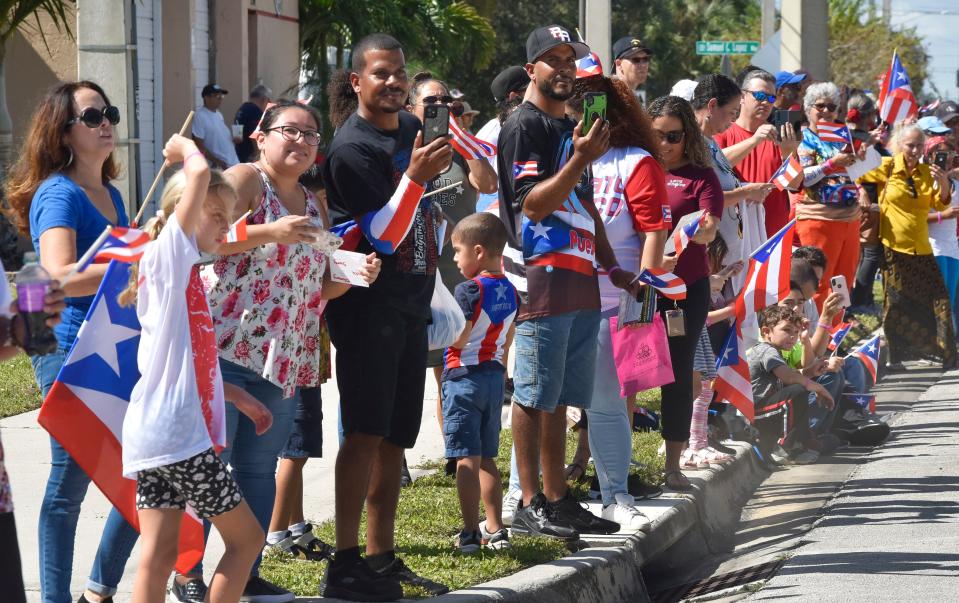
column 762, row 359
column 456, row 203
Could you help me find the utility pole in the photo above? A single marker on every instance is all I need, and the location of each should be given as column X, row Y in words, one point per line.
column 595, row 18
column 768, row 20
column 805, row 37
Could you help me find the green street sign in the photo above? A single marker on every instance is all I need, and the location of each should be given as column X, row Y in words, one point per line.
column 713, row 47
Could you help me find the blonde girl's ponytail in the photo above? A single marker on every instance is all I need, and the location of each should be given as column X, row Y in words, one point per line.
column 171, row 196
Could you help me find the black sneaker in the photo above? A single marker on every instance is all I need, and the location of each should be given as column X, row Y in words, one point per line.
column 397, row 570
column 83, row 599
column 450, row 468
column 405, row 478
column 258, row 590
column 538, row 519
column 193, row 591
column 468, row 542
column 568, row 511
column 358, row 582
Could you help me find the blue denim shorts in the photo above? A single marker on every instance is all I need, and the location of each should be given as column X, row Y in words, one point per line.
column 472, row 405
column 306, row 439
column 556, row 360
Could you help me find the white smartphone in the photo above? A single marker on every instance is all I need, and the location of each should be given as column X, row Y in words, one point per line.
column 838, row 284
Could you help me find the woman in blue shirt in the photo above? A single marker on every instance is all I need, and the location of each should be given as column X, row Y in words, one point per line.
column 61, row 195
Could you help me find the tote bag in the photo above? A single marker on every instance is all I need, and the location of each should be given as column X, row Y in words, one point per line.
column 641, row 355
column 448, row 321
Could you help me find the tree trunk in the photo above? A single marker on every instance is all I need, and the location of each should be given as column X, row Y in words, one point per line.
column 6, row 124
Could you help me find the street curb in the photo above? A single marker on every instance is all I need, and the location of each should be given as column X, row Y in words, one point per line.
column 611, row 569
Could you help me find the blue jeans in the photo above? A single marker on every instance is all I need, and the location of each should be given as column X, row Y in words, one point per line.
column 60, row 512
column 610, row 433
column 253, row 458
column 821, row 419
column 950, row 275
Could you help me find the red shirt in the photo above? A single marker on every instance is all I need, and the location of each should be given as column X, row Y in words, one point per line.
column 690, row 189
column 759, row 166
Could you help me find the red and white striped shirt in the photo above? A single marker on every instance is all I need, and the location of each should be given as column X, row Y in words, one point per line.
column 490, row 302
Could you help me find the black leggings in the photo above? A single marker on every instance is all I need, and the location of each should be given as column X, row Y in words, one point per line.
column 11, row 576
column 678, row 395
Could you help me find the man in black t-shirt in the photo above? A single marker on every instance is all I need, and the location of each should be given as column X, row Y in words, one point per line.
column 248, row 116
column 375, row 175
column 555, row 237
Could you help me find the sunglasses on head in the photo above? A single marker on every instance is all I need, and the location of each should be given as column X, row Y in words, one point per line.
column 762, row 96
column 433, row 100
column 826, row 107
column 672, row 137
column 92, row 117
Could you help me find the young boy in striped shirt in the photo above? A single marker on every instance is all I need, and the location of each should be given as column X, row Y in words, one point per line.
column 473, row 380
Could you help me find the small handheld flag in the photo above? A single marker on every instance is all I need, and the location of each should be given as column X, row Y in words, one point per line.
column 467, row 145
column 787, row 173
column 868, row 353
column 732, row 375
column 685, row 233
column 237, row 231
column 837, row 334
column 667, row 283
column 866, row 400
column 121, row 244
column 588, row 66
column 833, row 132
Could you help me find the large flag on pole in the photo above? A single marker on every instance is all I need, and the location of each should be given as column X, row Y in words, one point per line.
column 767, row 278
column 85, row 407
column 896, row 100
column 732, row 374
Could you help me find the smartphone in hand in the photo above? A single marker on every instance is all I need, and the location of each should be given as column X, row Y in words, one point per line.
column 941, row 158
column 436, row 122
column 838, row 286
column 594, row 105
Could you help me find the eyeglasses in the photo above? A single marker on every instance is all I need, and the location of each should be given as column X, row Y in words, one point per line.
column 762, row 96
column 434, row 100
column 826, row 107
column 294, row 134
column 672, row 137
column 93, row 117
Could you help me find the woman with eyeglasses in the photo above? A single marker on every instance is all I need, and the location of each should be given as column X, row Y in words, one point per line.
column 266, row 295
column 829, row 206
column 691, row 185
column 60, row 194
column 916, row 312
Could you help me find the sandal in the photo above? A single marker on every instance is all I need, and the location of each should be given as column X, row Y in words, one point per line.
column 571, row 470
column 693, row 459
column 715, row 457
column 675, row 480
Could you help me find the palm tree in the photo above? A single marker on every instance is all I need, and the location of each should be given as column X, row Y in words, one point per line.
column 25, row 14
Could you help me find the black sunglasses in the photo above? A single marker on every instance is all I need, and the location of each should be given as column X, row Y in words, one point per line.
column 760, row 96
column 912, row 187
column 827, row 107
column 672, row 137
column 93, row 117
column 433, row 100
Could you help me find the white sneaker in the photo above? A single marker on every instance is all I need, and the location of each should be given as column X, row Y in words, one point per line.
column 625, row 513
column 510, row 503
column 806, row 457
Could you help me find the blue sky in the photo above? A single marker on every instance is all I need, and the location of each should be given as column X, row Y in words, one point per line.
column 937, row 21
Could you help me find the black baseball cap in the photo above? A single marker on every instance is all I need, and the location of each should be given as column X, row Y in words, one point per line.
column 212, row 89
column 947, row 111
column 544, row 38
column 627, row 45
column 511, row 79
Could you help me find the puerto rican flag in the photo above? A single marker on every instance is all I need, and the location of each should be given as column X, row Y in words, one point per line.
column 868, row 353
column 85, row 408
column 684, row 234
column 833, row 132
column 588, row 66
column 467, row 145
column 732, row 374
column 863, row 400
column 237, row 231
column 522, row 169
column 667, row 283
column 767, row 279
column 564, row 239
column 896, row 100
column 122, row 244
column 787, row 173
column 837, row 334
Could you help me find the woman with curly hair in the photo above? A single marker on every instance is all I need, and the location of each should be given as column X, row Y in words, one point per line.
column 691, row 185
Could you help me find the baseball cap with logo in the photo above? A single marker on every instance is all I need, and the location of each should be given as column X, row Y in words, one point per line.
column 544, row 38
column 212, row 89
column 947, row 111
column 629, row 45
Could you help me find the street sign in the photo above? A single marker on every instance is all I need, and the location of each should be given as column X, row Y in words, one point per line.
column 726, row 47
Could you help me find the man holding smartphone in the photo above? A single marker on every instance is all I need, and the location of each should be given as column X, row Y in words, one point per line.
column 555, row 237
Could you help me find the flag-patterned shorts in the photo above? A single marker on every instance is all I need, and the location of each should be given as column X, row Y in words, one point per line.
column 201, row 481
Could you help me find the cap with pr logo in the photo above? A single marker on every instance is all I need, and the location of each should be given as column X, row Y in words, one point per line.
column 544, row 38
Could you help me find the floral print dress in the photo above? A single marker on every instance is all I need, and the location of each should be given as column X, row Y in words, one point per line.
column 266, row 302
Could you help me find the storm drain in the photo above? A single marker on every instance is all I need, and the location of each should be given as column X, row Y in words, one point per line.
column 717, row 583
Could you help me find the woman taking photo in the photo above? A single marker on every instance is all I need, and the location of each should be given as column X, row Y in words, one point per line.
column 916, row 314
column 60, row 194
column 265, row 296
column 691, row 185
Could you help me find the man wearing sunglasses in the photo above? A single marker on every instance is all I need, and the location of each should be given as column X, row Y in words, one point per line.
column 631, row 57
column 210, row 133
column 754, row 147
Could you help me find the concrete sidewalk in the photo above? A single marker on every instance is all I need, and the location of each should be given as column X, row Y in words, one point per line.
column 27, row 448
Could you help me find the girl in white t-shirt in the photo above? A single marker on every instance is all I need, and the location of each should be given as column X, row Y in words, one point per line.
column 174, row 425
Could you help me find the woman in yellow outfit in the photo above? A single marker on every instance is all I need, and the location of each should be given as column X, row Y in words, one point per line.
column 916, row 314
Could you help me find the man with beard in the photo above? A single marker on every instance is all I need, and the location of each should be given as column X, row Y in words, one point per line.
column 752, row 147
column 375, row 175
column 555, row 237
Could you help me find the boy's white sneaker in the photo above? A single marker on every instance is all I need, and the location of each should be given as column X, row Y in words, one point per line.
column 510, row 503
column 625, row 513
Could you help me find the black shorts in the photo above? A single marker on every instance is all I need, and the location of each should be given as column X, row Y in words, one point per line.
column 380, row 371
column 201, row 481
column 306, row 439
